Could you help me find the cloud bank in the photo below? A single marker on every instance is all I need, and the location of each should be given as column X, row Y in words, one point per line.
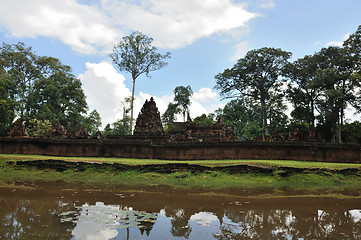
column 88, row 29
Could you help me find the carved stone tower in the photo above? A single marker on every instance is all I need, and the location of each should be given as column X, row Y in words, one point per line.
column 148, row 121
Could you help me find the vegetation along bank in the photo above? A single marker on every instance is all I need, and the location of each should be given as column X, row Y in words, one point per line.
column 225, row 176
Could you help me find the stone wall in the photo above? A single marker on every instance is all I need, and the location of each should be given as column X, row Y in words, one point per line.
column 130, row 147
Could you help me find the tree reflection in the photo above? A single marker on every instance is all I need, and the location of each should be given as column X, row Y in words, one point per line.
column 289, row 224
column 41, row 219
column 25, row 219
column 179, row 221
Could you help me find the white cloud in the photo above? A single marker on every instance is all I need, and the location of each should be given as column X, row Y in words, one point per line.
column 176, row 23
column 205, row 100
column 82, row 27
column 240, row 50
column 105, row 90
column 205, row 219
column 90, row 28
column 267, row 4
column 339, row 43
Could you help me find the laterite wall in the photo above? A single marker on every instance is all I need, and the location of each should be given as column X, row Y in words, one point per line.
column 133, row 148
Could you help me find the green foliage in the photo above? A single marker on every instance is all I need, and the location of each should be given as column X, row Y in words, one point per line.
column 39, row 128
column 92, row 122
column 136, row 55
column 351, row 132
column 21, row 65
column 205, row 120
column 120, row 127
column 182, row 99
column 41, row 88
column 170, row 114
column 303, row 92
column 327, row 83
column 181, row 104
column 7, row 113
column 246, row 118
column 256, row 76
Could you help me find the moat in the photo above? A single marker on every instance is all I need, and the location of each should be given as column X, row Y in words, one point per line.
column 69, row 211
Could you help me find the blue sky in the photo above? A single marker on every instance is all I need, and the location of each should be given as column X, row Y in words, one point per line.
column 204, row 37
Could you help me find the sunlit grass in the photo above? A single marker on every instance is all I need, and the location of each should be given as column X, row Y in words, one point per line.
column 215, row 180
column 209, row 163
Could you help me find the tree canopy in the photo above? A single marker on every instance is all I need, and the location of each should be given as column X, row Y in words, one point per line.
column 256, row 76
column 180, row 104
column 40, row 88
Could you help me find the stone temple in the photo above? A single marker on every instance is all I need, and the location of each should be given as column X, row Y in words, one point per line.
column 149, row 124
column 148, row 121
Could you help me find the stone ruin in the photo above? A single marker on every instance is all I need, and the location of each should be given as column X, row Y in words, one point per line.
column 148, row 122
column 148, row 126
column 191, row 132
column 59, row 131
column 17, row 129
column 81, row 133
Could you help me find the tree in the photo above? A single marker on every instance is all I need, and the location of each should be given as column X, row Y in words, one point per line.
column 255, row 76
column 7, row 113
column 182, row 99
column 136, row 55
column 169, row 114
column 302, row 91
column 205, row 120
column 120, row 127
column 339, row 82
column 57, row 96
column 41, row 87
column 246, row 118
column 92, row 122
column 39, row 128
column 20, row 63
column 180, row 104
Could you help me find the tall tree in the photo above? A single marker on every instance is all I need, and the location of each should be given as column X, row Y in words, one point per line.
column 170, row 113
column 136, row 55
column 302, row 90
column 182, row 97
column 180, row 104
column 7, row 113
column 255, row 76
column 20, row 63
column 337, row 78
column 41, row 87
column 57, row 96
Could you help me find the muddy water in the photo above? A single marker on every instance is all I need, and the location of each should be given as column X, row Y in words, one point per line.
column 59, row 211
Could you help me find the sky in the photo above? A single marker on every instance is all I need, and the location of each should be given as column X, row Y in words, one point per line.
column 204, row 37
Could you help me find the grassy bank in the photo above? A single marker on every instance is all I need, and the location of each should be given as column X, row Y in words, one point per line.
column 327, row 181
column 210, row 163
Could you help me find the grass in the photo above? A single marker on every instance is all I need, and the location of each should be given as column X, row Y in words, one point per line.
column 209, row 163
column 216, row 181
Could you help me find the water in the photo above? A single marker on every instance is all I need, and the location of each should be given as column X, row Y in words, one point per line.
column 59, row 211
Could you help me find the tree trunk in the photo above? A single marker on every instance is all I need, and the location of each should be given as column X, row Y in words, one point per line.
column 339, row 127
column 264, row 119
column 132, row 108
column 312, row 115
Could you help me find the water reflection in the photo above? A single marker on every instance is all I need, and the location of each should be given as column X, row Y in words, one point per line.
column 57, row 214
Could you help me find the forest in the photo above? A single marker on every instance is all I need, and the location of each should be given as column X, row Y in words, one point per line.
column 266, row 93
